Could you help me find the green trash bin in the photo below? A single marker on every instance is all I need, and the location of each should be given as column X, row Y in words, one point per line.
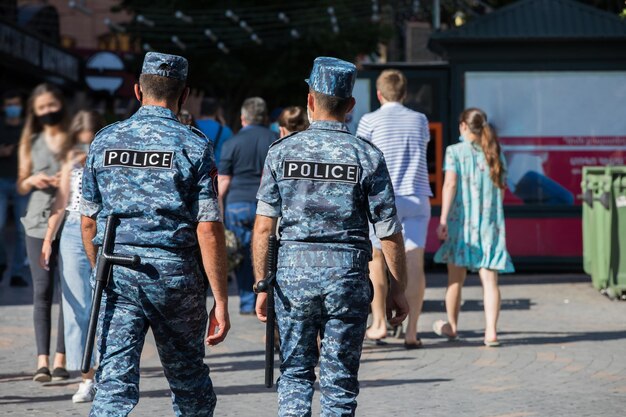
column 604, row 228
column 617, row 271
column 596, row 187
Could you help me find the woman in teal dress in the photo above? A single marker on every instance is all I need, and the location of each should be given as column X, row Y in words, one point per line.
column 472, row 221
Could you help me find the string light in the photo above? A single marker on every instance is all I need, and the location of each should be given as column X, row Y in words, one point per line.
column 264, row 24
column 182, row 16
column 375, row 11
column 333, row 19
column 80, row 6
column 114, row 26
column 209, row 34
column 223, row 47
column 283, row 17
column 145, row 21
column 176, row 41
column 231, row 15
column 255, row 38
column 244, row 25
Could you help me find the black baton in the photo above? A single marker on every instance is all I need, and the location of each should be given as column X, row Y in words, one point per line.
column 267, row 285
column 104, row 263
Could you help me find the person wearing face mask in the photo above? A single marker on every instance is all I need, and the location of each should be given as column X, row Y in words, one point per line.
column 74, row 265
column 10, row 131
column 43, row 145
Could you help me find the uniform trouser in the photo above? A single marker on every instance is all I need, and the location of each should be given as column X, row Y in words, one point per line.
column 167, row 296
column 326, row 293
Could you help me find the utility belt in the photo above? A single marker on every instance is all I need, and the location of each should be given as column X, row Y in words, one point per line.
column 303, row 255
column 187, row 254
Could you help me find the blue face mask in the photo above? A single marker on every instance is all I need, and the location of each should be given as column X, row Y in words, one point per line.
column 461, row 138
column 13, row 111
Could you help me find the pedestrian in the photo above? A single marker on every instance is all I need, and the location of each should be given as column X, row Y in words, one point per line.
column 43, row 145
column 402, row 135
column 157, row 176
column 325, row 184
column 292, row 119
column 472, row 221
column 10, row 130
column 211, row 123
column 73, row 263
column 240, row 169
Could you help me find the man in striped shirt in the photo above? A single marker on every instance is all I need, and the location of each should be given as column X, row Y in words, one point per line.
column 402, row 135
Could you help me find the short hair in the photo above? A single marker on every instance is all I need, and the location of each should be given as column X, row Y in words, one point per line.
column 209, row 106
column 294, row 119
column 333, row 105
column 392, row 85
column 161, row 88
column 254, row 110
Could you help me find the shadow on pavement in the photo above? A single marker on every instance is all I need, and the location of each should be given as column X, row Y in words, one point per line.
column 21, row 399
column 438, row 280
column 392, row 382
column 477, row 305
column 561, row 338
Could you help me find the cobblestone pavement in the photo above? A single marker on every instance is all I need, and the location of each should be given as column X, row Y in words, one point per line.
column 563, row 354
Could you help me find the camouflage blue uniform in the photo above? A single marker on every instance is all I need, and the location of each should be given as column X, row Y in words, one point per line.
column 158, row 177
column 325, row 184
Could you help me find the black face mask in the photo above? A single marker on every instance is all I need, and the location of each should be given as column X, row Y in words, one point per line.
column 52, row 118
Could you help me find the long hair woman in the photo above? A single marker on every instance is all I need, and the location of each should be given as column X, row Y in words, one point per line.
column 43, row 145
column 472, row 221
column 74, row 265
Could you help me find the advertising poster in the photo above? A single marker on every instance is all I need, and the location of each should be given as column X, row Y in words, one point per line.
column 550, row 125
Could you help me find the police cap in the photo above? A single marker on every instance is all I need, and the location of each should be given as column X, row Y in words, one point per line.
column 332, row 76
column 165, row 65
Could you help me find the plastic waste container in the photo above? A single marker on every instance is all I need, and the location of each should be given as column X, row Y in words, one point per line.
column 604, row 228
column 617, row 270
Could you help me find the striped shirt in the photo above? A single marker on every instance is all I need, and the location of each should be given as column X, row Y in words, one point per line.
column 402, row 135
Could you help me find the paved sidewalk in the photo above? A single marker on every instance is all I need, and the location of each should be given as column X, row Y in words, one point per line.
column 564, row 354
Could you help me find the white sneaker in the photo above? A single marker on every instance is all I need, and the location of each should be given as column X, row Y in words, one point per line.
column 86, row 392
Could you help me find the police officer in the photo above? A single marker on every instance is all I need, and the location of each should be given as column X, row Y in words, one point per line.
column 158, row 177
column 325, row 184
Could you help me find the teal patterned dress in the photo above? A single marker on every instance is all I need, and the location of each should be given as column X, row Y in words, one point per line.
column 476, row 236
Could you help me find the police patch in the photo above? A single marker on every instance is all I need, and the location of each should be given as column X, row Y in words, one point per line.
column 321, row 171
column 214, row 183
column 138, row 159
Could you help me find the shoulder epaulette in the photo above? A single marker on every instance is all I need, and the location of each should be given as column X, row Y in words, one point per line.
column 369, row 142
column 197, row 132
column 277, row 141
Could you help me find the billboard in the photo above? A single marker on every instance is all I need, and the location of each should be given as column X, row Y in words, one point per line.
column 550, row 125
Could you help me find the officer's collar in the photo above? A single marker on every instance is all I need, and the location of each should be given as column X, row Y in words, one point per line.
column 329, row 125
column 156, row 111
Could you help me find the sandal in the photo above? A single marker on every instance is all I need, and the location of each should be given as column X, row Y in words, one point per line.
column 492, row 343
